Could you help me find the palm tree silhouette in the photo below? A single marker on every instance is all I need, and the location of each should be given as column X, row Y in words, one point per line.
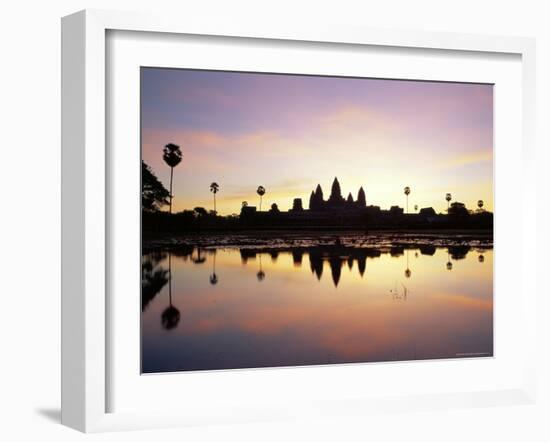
column 407, row 191
column 448, row 198
column 261, row 192
column 172, row 156
column 214, row 188
column 480, row 205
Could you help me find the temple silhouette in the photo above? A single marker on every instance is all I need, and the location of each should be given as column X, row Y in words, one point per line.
column 335, row 201
column 337, row 212
column 332, row 213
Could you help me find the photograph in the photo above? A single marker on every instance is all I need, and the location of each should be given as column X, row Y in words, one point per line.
column 302, row 220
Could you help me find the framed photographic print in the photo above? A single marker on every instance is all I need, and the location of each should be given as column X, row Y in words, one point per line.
column 241, row 275
column 263, row 223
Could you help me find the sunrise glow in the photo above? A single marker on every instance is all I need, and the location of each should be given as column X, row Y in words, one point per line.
column 290, row 133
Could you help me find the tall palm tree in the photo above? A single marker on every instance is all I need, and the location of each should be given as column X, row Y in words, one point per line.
column 171, row 155
column 480, row 205
column 407, row 191
column 448, row 198
column 214, row 188
column 261, row 192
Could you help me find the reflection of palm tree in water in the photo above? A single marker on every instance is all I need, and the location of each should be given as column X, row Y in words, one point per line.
column 407, row 270
column 171, row 316
column 199, row 259
column 338, row 256
column 449, row 263
column 213, row 276
column 260, row 275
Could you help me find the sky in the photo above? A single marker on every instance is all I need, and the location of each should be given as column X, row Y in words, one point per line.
column 289, row 133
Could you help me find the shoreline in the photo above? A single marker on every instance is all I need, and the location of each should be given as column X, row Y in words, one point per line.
column 304, row 239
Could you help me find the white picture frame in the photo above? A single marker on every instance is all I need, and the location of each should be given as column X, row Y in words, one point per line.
column 85, row 233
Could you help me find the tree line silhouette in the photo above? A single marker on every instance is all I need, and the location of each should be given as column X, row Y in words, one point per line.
column 334, row 213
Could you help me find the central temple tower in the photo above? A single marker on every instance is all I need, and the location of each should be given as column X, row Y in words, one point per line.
column 335, row 199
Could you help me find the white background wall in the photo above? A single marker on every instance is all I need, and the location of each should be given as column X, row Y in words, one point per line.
column 30, row 219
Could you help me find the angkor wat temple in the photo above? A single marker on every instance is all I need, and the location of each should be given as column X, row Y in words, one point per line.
column 334, row 213
column 336, row 201
column 338, row 212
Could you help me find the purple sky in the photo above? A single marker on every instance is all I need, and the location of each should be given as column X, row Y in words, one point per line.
column 289, row 132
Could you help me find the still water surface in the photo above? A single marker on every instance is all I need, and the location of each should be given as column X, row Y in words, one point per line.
column 235, row 307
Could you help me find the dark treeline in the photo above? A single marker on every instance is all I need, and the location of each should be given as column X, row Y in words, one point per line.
column 334, row 213
column 199, row 220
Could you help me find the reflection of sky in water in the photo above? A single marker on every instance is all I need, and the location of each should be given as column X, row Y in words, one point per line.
column 236, row 309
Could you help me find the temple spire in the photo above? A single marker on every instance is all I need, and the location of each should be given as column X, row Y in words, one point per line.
column 336, row 192
column 316, row 200
column 319, row 192
column 361, row 199
column 336, row 198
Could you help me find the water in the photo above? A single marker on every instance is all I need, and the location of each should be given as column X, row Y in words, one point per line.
column 286, row 305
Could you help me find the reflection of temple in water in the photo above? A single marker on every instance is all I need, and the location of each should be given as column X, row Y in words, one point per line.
column 335, row 255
